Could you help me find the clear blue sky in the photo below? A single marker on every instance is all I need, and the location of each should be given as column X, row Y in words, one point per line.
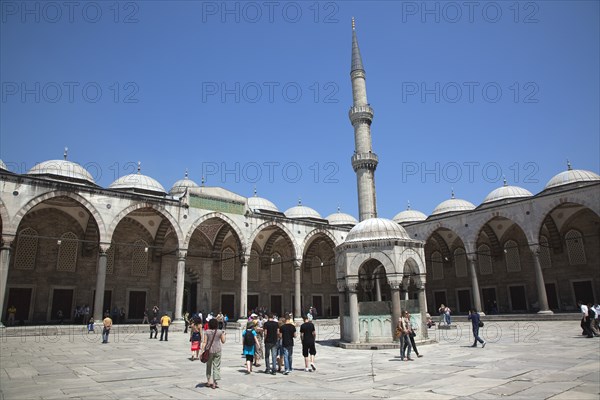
column 461, row 96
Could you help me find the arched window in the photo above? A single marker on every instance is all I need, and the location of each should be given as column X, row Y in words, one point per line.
column 513, row 260
column 276, row 267
column 227, row 264
column 139, row 258
column 575, row 247
column 460, row 262
column 316, row 270
column 437, row 265
column 110, row 259
column 484, row 258
column 545, row 259
column 253, row 266
column 26, row 249
column 67, row 252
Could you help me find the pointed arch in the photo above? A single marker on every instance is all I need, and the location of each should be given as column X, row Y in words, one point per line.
column 575, row 198
column 314, row 234
column 225, row 219
column 286, row 231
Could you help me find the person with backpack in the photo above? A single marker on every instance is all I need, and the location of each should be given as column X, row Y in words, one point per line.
column 250, row 344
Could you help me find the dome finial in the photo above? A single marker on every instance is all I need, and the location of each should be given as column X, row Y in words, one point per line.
column 339, row 209
column 505, row 184
column 299, row 201
column 408, row 205
column 186, row 173
column 139, row 167
column 65, row 153
column 452, row 196
column 203, row 180
column 568, row 165
column 255, row 195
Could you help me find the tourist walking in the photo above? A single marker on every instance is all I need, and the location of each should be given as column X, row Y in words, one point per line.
column 404, row 333
column 195, row 338
column 288, row 333
column 213, row 339
column 165, row 322
column 271, row 332
column 250, row 344
column 308, row 335
column 476, row 323
column 411, row 335
column 106, row 326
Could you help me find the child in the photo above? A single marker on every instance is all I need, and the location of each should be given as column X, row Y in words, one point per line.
column 153, row 327
column 91, row 325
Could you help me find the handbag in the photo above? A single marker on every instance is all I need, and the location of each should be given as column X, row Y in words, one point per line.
column 480, row 323
column 206, row 352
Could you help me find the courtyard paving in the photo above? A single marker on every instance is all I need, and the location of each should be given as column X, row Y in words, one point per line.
column 522, row 360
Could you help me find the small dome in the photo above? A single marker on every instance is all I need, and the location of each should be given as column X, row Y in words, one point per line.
column 506, row 192
column 340, row 218
column 453, row 205
column 259, row 203
column 409, row 216
column 181, row 185
column 63, row 170
column 376, row 229
column 3, row 166
column 138, row 183
column 301, row 211
column 571, row 176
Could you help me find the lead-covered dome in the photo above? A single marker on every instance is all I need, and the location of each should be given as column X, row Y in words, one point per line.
column 62, row 170
column 506, row 192
column 301, row 211
column 340, row 218
column 138, row 183
column 182, row 185
column 376, row 229
column 408, row 215
column 572, row 176
column 258, row 203
column 453, row 205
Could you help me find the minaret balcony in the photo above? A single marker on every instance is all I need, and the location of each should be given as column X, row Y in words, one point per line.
column 364, row 161
column 361, row 113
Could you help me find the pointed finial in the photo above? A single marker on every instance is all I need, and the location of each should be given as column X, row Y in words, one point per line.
column 569, row 165
column 452, row 196
column 299, row 201
column 408, row 206
column 139, row 167
column 186, row 173
column 353, row 24
column 339, row 209
column 65, row 153
column 202, row 184
column 505, row 184
column 255, row 191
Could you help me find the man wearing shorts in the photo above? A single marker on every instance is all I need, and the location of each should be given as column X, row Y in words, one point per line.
column 308, row 334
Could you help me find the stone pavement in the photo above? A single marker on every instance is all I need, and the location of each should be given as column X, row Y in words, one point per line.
column 533, row 360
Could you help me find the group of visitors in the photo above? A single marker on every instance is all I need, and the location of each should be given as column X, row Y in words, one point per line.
column 589, row 319
column 406, row 332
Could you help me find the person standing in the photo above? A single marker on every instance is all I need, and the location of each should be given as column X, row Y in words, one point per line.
column 447, row 312
column 474, row 318
column 307, row 336
column 213, row 338
column 12, row 311
column 442, row 314
column 288, row 333
column 404, row 329
column 106, row 326
column 195, row 337
column 90, row 325
column 271, row 332
column 145, row 320
column 186, row 321
column 153, row 328
column 86, row 314
column 165, row 322
column 250, row 344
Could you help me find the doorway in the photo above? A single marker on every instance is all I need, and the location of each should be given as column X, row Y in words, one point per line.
column 335, row 306
column 552, row 296
column 317, row 302
column 518, row 301
column 439, row 298
column 252, row 302
column 583, row 291
column 489, row 301
column 464, row 300
column 277, row 304
column 21, row 299
column 62, row 299
column 228, row 305
column 137, row 304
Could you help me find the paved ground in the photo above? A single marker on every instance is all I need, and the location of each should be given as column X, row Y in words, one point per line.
column 521, row 360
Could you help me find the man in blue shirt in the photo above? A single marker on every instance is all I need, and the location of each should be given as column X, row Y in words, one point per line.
column 474, row 317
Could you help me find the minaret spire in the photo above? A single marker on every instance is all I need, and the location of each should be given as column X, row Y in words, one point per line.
column 364, row 161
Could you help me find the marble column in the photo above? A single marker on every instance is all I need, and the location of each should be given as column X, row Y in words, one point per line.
column 422, row 305
column 341, row 286
column 244, row 289
column 5, row 252
column 100, row 283
column 353, row 308
column 181, row 254
column 539, row 281
column 475, row 284
column 396, row 309
column 377, row 289
column 298, row 289
column 405, row 285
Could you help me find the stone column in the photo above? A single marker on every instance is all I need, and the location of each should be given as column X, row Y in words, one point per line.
column 422, row 305
column 539, row 281
column 354, row 324
column 396, row 309
column 405, row 285
column 377, row 289
column 198, row 297
column 5, row 251
column 100, row 283
column 298, row 289
column 244, row 289
column 181, row 254
column 341, row 286
column 475, row 284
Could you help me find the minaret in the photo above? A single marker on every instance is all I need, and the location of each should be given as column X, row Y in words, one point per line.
column 364, row 161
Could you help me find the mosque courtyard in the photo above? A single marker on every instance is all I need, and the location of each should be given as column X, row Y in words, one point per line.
column 534, row 360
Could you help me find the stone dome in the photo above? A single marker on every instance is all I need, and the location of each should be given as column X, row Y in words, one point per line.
column 301, row 211
column 259, row 203
column 3, row 166
column 63, row 170
column 409, row 216
column 376, row 229
column 506, row 192
column 181, row 185
column 138, row 183
column 453, row 205
column 571, row 176
column 340, row 218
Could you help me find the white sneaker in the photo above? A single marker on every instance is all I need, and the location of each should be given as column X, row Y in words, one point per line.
column 306, row 370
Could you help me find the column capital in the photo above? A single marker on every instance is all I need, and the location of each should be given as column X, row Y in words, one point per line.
column 341, row 285
column 420, row 281
column 394, row 284
column 535, row 248
column 181, row 254
column 7, row 240
column 297, row 263
column 352, row 287
column 103, row 248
